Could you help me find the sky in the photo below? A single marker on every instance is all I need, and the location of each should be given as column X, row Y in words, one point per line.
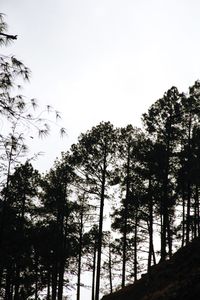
column 102, row 60
column 105, row 60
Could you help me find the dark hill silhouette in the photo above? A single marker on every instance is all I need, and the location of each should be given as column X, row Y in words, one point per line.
column 174, row 279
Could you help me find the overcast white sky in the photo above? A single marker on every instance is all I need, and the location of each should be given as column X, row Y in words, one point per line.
column 102, row 60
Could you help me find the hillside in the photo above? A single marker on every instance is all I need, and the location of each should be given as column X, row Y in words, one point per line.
column 175, row 279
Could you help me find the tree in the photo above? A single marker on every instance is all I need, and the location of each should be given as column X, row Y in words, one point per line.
column 16, row 250
column 56, row 200
column 85, row 218
column 17, row 113
column 94, row 153
column 190, row 124
column 161, row 123
column 90, row 240
column 127, row 149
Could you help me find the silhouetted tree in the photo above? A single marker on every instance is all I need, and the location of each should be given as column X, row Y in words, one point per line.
column 21, row 197
column 95, row 151
column 161, row 124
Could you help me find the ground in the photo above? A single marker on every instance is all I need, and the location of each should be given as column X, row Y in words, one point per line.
column 174, row 279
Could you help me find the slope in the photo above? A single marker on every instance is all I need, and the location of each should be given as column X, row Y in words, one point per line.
column 174, row 279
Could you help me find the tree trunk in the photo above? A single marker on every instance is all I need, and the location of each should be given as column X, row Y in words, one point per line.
column 196, row 216
column 94, row 272
column 61, row 278
column 62, row 258
column 150, row 200
column 80, row 254
column 183, row 218
column 48, row 284
column 54, row 278
column 8, row 293
column 1, row 272
column 169, row 237
column 4, row 204
column 125, row 218
column 36, row 277
column 154, row 256
column 99, row 246
column 17, row 283
column 188, row 219
column 110, row 270
column 135, row 245
column 165, row 200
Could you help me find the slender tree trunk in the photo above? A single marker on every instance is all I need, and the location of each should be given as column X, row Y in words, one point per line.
column 62, row 257
column 22, row 220
column 161, row 232
column 198, row 214
column 126, row 217
column 36, row 276
column 154, row 256
column 62, row 229
column 99, row 246
column 188, row 219
column 1, row 272
column 54, row 279
column 110, row 270
column 94, row 272
column 164, row 226
column 150, row 200
column 165, row 200
column 135, row 244
column 17, row 283
column 183, row 218
column 169, row 236
column 61, row 278
column 48, row 284
column 196, row 217
column 4, row 204
column 8, row 293
column 80, row 254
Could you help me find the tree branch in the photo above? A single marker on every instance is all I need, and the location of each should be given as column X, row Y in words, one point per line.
column 9, row 36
